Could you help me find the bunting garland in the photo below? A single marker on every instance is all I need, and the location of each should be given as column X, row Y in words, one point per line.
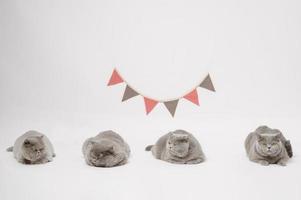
column 150, row 104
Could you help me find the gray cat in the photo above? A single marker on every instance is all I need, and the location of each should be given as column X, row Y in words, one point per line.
column 107, row 149
column 32, row 148
column 178, row 147
column 268, row 146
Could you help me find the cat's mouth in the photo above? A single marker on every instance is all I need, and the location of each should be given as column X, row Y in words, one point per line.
column 270, row 152
column 180, row 154
column 102, row 155
column 32, row 157
column 107, row 153
column 107, row 159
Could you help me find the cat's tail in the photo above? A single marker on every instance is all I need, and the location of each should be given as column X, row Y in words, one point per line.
column 10, row 149
column 149, row 147
column 288, row 148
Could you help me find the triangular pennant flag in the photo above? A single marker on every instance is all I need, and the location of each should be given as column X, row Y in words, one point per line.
column 171, row 106
column 149, row 104
column 129, row 93
column 115, row 78
column 193, row 97
column 207, row 84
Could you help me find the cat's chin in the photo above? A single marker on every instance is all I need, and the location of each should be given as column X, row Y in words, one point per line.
column 101, row 163
column 97, row 164
column 178, row 155
column 271, row 154
column 30, row 159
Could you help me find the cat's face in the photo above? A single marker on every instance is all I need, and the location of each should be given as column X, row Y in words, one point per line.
column 268, row 144
column 102, row 155
column 178, row 145
column 33, row 148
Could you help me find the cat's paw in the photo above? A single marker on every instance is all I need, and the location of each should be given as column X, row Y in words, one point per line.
column 195, row 161
column 43, row 161
column 175, row 161
column 263, row 162
column 281, row 163
column 25, row 161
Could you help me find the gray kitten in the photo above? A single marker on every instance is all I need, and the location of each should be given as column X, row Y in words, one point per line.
column 268, row 146
column 107, row 149
column 32, row 148
column 178, row 147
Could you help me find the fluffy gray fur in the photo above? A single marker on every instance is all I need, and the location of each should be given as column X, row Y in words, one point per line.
column 179, row 147
column 107, row 149
column 33, row 148
column 268, row 146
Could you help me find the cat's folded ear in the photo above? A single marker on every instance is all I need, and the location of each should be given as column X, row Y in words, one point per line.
column 180, row 136
column 278, row 135
column 92, row 142
column 259, row 136
column 277, row 131
column 185, row 137
column 262, row 129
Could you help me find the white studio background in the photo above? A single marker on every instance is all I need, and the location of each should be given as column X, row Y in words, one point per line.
column 56, row 58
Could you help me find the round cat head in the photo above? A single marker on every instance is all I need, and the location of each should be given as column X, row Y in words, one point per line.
column 178, row 144
column 269, row 144
column 102, row 154
column 33, row 148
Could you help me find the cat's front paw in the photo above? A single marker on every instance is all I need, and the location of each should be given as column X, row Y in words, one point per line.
column 175, row 161
column 26, row 162
column 195, row 161
column 263, row 162
column 43, row 161
column 281, row 163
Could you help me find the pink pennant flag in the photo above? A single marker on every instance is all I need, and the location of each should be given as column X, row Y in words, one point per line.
column 193, row 97
column 115, row 78
column 149, row 104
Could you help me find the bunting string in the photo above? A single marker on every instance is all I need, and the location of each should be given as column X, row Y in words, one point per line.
column 150, row 103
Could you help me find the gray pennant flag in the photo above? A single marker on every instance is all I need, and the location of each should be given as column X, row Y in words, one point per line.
column 171, row 106
column 129, row 93
column 207, row 84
